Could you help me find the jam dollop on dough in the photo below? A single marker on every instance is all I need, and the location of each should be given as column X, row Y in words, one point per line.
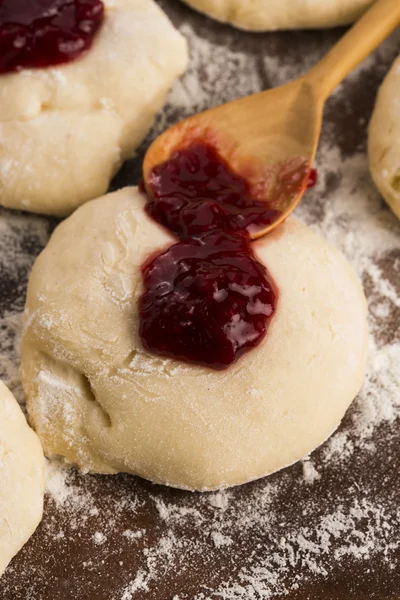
column 43, row 33
column 207, row 299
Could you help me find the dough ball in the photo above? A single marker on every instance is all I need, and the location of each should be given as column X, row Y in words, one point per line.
column 100, row 400
column 65, row 131
column 21, row 479
column 384, row 139
column 269, row 15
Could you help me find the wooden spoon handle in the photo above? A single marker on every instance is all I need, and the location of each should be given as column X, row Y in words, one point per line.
column 373, row 27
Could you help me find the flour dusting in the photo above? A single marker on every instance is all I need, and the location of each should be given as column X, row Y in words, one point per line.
column 335, row 511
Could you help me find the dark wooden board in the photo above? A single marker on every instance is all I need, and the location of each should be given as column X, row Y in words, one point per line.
column 324, row 529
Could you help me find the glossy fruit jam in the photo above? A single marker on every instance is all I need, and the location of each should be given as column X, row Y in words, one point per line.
column 312, row 178
column 206, row 300
column 196, row 191
column 43, row 33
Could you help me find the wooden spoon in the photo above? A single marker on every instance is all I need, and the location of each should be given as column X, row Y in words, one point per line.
column 271, row 137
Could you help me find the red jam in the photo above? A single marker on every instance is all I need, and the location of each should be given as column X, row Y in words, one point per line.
column 206, row 300
column 196, row 191
column 43, row 33
column 312, row 178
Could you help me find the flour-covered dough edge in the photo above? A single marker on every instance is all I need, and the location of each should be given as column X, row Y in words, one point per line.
column 21, row 478
column 271, row 15
column 65, row 131
column 384, row 139
column 97, row 398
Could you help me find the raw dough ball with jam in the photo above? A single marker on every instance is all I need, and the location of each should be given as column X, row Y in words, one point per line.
column 65, row 130
column 21, row 478
column 269, row 15
column 384, row 139
column 97, row 398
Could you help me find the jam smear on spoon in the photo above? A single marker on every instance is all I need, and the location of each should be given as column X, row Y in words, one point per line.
column 196, row 191
column 207, row 300
column 43, row 33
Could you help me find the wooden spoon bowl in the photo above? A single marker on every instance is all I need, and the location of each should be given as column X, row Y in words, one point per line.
column 271, row 138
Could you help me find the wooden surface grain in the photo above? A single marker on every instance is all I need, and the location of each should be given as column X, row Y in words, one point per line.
column 82, row 550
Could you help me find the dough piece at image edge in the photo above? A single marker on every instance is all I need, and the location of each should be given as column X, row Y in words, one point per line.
column 271, row 15
column 21, row 478
column 65, row 130
column 384, row 139
column 97, row 398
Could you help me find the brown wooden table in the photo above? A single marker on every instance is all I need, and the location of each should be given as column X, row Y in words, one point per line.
column 328, row 528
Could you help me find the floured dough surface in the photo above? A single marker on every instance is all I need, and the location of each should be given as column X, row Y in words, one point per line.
column 384, row 139
column 65, row 131
column 98, row 399
column 269, row 15
column 21, row 478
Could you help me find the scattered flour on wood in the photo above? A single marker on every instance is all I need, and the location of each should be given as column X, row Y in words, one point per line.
column 295, row 543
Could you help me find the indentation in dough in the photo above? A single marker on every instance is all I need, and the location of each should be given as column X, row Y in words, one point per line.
column 127, row 362
column 395, row 181
column 59, row 376
column 126, row 365
column 91, row 396
column 382, row 155
column 8, row 527
column 87, row 389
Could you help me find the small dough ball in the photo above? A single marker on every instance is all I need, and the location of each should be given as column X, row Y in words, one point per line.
column 21, row 479
column 269, row 15
column 100, row 400
column 65, row 130
column 384, row 139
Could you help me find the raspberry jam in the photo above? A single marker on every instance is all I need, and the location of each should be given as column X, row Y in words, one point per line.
column 312, row 178
column 206, row 299
column 43, row 33
column 196, row 191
